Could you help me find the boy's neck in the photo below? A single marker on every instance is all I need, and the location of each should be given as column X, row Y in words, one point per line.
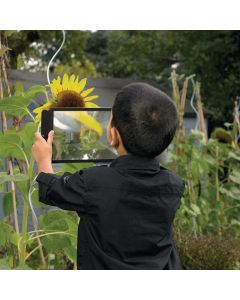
column 121, row 150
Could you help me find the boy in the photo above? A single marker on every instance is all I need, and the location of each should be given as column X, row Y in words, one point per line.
column 127, row 208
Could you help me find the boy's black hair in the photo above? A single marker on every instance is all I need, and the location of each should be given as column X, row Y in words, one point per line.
column 146, row 119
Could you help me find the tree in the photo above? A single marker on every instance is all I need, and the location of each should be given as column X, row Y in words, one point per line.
column 33, row 49
column 213, row 56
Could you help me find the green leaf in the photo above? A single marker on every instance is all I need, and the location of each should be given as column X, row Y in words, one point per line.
column 54, row 220
column 4, row 265
column 56, row 242
column 7, row 234
column 74, row 167
column 20, row 61
column 235, row 177
column 8, row 33
column 230, row 193
column 18, row 87
column 71, row 253
column 7, row 204
column 17, row 104
column 14, row 238
column 233, row 155
column 27, row 136
column 195, row 209
column 10, row 145
column 3, row 237
column 16, row 177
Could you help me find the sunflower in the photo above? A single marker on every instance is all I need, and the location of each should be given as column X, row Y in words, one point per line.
column 70, row 93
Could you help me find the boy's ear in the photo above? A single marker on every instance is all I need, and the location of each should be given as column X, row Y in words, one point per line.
column 114, row 137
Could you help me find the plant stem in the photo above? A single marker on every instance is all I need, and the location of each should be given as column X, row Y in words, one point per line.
column 217, row 187
column 14, row 201
column 24, row 231
column 51, row 233
column 39, row 243
column 31, row 115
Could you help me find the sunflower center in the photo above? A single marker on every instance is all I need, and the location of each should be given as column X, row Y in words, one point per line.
column 69, row 99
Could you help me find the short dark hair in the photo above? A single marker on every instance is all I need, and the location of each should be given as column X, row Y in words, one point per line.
column 146, row 119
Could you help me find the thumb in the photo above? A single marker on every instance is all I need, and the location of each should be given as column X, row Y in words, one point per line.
column 38, row 136
column 50, row 137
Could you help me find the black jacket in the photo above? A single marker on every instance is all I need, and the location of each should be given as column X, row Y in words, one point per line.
column 126, row 210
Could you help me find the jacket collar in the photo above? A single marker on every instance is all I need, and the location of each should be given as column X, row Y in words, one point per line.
column 132, row 162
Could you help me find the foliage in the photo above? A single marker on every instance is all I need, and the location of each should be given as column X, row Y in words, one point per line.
column 33, row 49
column 210, row 206
column 211, row 172
column 144, row 54
column 208, row 252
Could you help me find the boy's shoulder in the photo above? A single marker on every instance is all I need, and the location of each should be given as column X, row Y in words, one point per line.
column 173, row 179
column 102, row 175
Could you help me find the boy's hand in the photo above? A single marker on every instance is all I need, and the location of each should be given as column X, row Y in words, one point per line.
column 42, row 152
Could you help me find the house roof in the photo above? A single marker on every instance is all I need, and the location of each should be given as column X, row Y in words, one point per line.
column 106, row 88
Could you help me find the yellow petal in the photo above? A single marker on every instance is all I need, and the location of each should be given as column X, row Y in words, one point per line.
column 56, row 86
column 42, row 107
column 90, row 98
column 90, row 122
column 71, row 83
column 72, row 78
column 74, row 85
column 87, row 92
column 54, row 90
column 38, row 118
column 81, row 85
column 84, row 118
column 65, row 82
column 91, row 105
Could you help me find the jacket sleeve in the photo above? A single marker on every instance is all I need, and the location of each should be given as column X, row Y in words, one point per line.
column 66, row 191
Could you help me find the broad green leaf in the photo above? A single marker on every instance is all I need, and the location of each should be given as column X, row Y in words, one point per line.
column 16, row 105
column 27, row 136
column 71, row 253
column 54, row 220
column 7, row 234
column 10, row 146
column 23, row 186
column 56, row 242
column 14, row 238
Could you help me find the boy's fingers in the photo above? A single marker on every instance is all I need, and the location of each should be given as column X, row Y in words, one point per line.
column 38, row 136
column 50, row 137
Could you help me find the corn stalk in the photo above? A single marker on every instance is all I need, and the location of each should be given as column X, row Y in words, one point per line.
column 201, row 120
column 180, row 101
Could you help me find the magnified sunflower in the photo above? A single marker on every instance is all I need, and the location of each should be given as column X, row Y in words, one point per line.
column 70, row 93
